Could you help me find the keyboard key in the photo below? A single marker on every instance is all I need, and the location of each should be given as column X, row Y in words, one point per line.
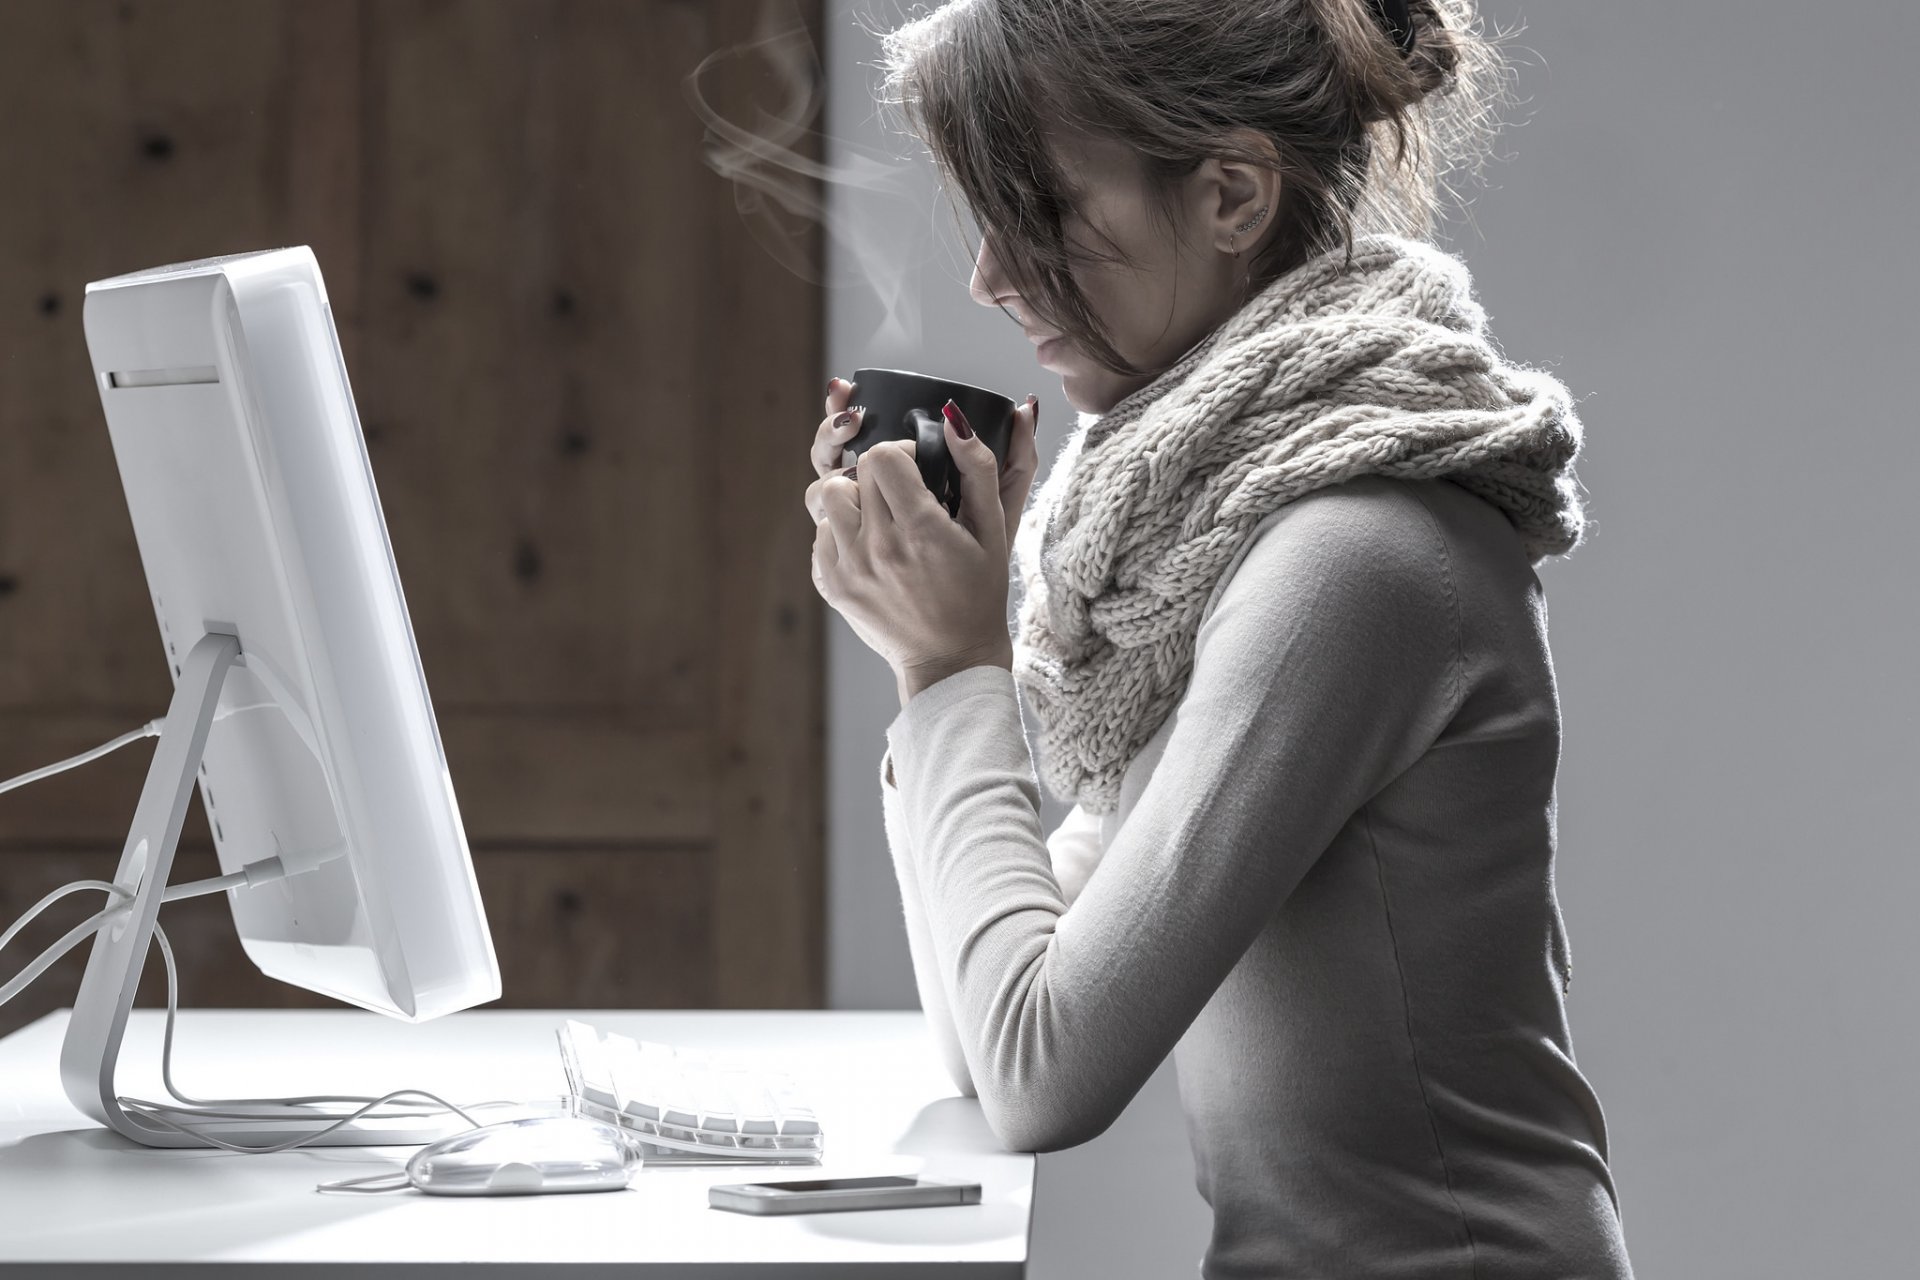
column 717, row 1106
column 630, row 1077
column 795, row 1115
column 672, row 1094
column 686, row 1102
column 753, row 1105
column 596, row 1080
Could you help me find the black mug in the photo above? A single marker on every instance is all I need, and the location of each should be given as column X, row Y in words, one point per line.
column 900, row 405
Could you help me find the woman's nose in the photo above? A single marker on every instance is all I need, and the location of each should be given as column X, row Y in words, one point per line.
column 985, row 287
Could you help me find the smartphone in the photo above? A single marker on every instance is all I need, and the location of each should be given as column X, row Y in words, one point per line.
column 830, row 1195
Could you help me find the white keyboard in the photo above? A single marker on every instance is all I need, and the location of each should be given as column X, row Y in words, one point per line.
column 685, row 1106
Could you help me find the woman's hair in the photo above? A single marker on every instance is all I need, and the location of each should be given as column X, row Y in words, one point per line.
column 1320, row 82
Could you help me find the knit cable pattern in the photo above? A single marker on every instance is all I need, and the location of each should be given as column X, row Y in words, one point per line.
column 1329, row 373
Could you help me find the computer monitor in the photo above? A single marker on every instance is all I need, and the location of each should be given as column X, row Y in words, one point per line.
column 299, row 701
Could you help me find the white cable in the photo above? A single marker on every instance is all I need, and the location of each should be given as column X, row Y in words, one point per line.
column 48, row 901
column 263, row 871
column 166, row 1051
column 151, row 729
column 200, row 888
column 150, row 1111
column 71, row 939
column 256, row 873
column 364, row 1186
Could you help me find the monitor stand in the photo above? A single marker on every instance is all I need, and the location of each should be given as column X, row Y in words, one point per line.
column 99, row 1020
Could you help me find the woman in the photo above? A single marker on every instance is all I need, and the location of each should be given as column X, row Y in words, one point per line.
column 1280, row 629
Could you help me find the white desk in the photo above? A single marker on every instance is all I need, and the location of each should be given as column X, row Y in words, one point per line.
column 77, row 1200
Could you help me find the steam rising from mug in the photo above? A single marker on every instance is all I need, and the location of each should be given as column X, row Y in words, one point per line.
column 906, row 406
column 875, row 240
column 779, row 191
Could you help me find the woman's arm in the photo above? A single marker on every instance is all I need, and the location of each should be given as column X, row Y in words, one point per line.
column 926, row 970
column 1074, row 848
column 1074, row 851
column 1329, row 665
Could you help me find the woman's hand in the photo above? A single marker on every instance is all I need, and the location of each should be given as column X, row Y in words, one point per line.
column 1016, row 473
column 829, row 441
column 926, row 591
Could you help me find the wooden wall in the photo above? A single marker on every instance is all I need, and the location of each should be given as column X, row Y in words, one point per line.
column 587, row 394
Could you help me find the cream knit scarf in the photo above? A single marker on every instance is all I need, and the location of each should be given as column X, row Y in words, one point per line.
column 1329, row 373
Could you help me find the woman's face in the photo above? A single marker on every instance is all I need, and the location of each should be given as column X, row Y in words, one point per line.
column 1183, row 287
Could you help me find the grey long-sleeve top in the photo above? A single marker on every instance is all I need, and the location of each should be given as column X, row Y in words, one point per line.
column 1327, row 889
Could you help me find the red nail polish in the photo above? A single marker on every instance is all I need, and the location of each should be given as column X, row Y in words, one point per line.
column 958, row 419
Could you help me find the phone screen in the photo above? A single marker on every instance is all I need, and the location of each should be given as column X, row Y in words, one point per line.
column 841, row 1184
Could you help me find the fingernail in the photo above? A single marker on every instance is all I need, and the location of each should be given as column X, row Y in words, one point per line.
column 1033, row 402
column 958, row 419
column 844, row 420
column 852, row 472
column 831, row 384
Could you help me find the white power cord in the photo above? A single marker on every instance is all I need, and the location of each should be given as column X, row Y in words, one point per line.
column 264, row 871
column 71, row 939
column 151, row 729
column 207, row 1108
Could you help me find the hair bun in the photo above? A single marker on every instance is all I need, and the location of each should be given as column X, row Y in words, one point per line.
column 1395, row 20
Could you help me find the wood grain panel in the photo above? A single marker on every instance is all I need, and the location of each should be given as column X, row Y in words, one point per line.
column 521, row 778
column 528, row 355
column 769, row 622
column 131, row 135
column 213, row 968
column 573, row 364
column 84, row 809
column 599, row 928
column 526, row 779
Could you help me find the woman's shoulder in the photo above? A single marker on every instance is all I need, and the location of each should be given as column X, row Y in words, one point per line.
column 1371, row 526
column 1424, row 567
column 1425, row 561
column 1387, row 511
column 1385, row 529
column 1364, row 559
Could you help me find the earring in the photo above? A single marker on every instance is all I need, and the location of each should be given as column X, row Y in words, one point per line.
column 1245, row 227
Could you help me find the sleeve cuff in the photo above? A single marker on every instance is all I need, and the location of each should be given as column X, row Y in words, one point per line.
column 918, row 721
column 937, row 697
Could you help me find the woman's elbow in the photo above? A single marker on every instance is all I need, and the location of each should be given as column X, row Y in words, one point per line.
column 1035, row 1122
column 956, row 1066
column 1042, row 1091
column 962, row 1082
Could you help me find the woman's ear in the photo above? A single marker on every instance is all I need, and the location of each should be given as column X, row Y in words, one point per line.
column 1238, row 192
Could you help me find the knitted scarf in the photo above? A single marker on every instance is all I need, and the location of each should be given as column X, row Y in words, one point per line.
column 1330, row 372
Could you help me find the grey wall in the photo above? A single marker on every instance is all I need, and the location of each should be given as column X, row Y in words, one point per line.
column 1706, row 229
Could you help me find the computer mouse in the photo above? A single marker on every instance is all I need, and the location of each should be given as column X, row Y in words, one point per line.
column 526, row 1157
